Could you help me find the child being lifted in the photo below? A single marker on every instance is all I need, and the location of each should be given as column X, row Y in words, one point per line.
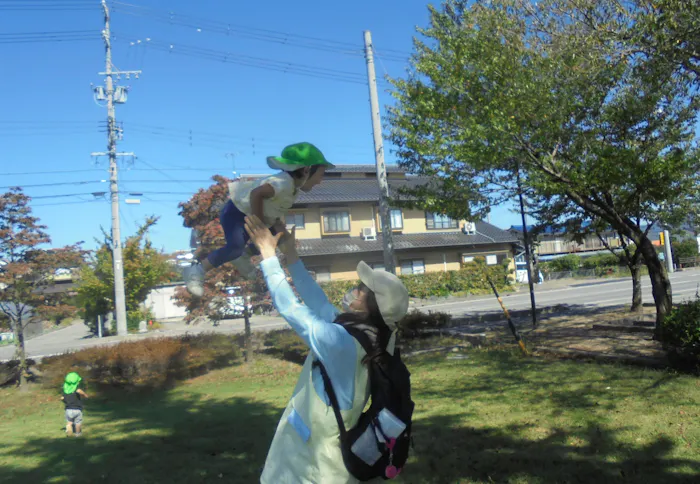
column 301, row 166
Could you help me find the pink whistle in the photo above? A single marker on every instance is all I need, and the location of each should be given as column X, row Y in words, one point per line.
column 392, row 471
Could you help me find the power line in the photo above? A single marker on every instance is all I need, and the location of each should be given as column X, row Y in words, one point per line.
column 56, row 184
column 36, row 5
column 192, row 136
column 256, row 62
column 267, row 35
column 61, row 172
column 94, row 182
column 65, row 203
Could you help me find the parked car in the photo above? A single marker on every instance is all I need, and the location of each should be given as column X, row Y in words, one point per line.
column 235, row 302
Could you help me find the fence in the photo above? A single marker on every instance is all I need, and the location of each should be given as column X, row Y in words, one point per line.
column 688, row 262
column 553, row 276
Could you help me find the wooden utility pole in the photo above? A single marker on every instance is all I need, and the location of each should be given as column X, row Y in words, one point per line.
column 384, row 214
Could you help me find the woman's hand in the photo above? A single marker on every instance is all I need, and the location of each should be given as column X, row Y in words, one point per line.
column 261, row 236
column 288, row 246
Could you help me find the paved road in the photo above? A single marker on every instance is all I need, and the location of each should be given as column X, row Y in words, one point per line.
column 597, row 293
column 76, row 337
column 588, row 293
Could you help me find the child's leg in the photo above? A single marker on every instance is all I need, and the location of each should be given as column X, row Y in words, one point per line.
column 69, row 423
column 233, row 222
column 78, row 423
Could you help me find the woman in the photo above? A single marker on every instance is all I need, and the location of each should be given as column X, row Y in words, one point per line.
column 306, row 446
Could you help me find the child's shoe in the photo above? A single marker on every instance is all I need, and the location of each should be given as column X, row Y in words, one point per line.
column 245, row 267
column 194, row 279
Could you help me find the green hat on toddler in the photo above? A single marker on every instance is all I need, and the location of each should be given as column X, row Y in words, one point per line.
column 296, row 156
column 71, row 383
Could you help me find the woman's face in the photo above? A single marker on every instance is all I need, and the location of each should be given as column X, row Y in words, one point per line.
column 360, row 303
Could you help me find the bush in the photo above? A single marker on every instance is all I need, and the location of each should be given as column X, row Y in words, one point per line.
column 147, row 364
column 680, row 333
column 470, row 279
column 286, row 344
column 684, row 249
column 564, row 264
column 602, row 261
column 416, row 322
column 134, row 318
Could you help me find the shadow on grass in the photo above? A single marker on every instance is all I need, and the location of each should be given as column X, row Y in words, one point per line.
column 446, row 453
column 177, row 437
column 196, row 440
column 155, row 439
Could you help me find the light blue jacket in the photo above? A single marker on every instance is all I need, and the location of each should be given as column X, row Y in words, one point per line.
column 313, row 321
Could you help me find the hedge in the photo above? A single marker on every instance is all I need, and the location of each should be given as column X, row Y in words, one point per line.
column 470, row 280
column 146, row 364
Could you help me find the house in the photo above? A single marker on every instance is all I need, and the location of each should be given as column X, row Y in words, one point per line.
column 551, row 242
column 337, row 225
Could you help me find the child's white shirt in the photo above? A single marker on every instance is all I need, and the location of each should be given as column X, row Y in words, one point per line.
column 273, row 208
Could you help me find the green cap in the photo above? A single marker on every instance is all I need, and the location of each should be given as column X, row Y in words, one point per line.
column 71, row 383
column 298, row 155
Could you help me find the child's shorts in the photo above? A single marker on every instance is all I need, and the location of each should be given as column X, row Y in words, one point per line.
column 74, row 415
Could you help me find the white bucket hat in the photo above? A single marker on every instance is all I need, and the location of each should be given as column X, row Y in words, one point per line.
column 391, row 294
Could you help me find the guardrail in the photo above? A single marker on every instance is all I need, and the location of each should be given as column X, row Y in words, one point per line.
column 688, row 262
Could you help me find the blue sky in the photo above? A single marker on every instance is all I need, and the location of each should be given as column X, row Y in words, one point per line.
column 187, row 117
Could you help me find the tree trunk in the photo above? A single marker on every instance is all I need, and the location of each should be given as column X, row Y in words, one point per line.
column 660, row 283
column 20, row 353
column 248, row 332
column 636, row 270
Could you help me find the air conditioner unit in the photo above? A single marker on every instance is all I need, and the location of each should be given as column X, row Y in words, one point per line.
column 469, row 228
column 369, row 233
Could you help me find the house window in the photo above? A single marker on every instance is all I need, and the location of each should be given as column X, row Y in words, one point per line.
column 415, row 266
column 336, row 222
column 378, row 266
column 467, row 258
column 396, row 216
column 437, row 221
column 294, row 220
column 321, row 274
column 491, row 260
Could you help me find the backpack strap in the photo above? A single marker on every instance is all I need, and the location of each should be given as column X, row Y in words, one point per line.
column 332, row 397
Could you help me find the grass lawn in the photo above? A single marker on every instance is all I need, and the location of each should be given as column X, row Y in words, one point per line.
column 491, row 417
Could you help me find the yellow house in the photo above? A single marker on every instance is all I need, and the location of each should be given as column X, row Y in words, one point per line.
column 337, row 225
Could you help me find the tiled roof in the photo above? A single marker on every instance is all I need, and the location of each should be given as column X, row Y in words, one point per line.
column 486, row 234
column 364, row 169
column 351, row 190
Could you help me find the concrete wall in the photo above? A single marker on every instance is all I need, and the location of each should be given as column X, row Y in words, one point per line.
column 161, row 302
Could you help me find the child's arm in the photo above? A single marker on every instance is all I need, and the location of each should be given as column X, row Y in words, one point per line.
column 81, row 393
column 258, row 196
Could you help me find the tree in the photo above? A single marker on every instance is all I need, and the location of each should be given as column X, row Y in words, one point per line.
column 144, row 268
column 29, row 270
column 507, row 84
column 201, row 213
column 571, row 219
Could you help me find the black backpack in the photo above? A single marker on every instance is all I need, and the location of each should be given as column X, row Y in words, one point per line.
column 370, row 439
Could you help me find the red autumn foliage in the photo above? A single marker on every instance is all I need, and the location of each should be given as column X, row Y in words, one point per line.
column 201, row 213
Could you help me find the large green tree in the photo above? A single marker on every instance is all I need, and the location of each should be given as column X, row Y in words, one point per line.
column 28, row 270
column 144, row 268
column 511, row 85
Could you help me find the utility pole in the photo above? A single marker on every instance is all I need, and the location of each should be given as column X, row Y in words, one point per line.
column 112, row 130
column 667, row 251
column 384, row 215
column 528, row 255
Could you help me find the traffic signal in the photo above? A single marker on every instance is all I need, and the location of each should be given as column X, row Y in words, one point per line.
column 661, row 238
